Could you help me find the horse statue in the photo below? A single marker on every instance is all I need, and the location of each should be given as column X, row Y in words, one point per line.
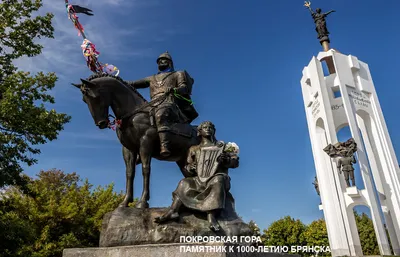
column 136, row 131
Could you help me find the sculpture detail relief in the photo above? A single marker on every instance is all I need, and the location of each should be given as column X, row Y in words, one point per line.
column 208, row 189
column 320, row 22
column 345, row 153
column 316, row 186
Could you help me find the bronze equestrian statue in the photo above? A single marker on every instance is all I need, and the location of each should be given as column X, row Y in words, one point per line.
column 136, row 130
column 178, row 107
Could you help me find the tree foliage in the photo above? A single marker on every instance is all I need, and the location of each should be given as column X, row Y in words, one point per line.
column 254, row 227
column 61, row 211
column 24, row 119
column 367, row 234
column 285, row 232
column 289, row 232
column 316, row 234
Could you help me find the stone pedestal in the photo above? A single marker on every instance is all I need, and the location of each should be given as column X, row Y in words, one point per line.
column 131, row 226
column 131, row 232
column 353, row 192
column 167, row 250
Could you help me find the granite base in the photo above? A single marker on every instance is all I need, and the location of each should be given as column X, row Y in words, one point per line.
column 171, row 250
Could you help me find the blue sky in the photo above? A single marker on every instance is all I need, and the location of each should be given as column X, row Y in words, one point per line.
column 246, row 58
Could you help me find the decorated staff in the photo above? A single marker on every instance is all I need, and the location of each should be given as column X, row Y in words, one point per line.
column 79, row 9
column 88, row 48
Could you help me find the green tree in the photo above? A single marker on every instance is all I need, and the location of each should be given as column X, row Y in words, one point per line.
column 256, row 232
column 367, row 234
column 61, row 211
column 15, row 233
column 254, row 227
column 24, row 119
column 285, row 232
column 316, row 234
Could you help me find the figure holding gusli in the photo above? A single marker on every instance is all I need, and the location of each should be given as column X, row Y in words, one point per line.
column 208, row 189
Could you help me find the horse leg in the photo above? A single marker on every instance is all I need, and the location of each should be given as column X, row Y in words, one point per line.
column 145, row 156
column 130, row 164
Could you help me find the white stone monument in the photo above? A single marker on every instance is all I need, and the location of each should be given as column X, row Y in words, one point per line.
column 347, row 97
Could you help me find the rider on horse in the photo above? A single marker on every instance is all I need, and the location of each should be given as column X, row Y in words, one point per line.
column 170, row 91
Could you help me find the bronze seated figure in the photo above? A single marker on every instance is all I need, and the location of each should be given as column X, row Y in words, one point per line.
column 208, row 189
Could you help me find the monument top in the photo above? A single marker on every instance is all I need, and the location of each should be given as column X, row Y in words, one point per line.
column 320, row 24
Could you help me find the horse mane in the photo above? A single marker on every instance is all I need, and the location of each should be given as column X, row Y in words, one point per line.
column 104, row 75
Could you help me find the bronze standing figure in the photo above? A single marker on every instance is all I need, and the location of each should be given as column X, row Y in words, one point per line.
column 345, row 164
column 207, row 190
column 345, row 151
column 177, row 107
column 320, row 22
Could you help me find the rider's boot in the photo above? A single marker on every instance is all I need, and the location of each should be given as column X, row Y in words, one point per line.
column 165, row 151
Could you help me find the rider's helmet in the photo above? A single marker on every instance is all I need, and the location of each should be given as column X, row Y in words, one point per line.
column 166, row 55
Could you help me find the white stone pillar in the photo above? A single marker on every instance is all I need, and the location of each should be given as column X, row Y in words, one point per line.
column 357, row 106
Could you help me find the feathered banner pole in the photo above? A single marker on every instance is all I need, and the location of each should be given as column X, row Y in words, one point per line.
column 88, row 48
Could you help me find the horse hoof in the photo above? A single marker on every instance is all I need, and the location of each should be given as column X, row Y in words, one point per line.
column 142, row 205
column 123, row 204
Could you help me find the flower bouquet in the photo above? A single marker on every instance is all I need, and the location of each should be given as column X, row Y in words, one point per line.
column 232, row 149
